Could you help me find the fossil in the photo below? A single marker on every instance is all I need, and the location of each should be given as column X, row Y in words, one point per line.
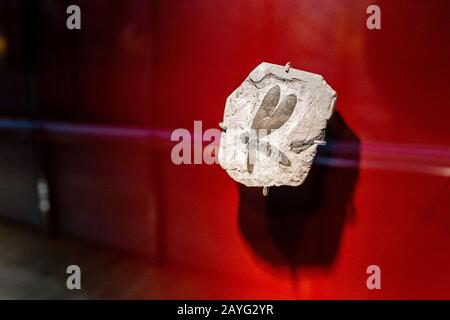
column 272, row 125
column 269, row 118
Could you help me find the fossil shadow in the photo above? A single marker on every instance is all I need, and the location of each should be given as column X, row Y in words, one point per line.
column 302, row 226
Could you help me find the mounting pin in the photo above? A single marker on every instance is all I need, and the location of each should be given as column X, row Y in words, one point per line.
column 222, row 126
column 320, row 142
column 287, row 67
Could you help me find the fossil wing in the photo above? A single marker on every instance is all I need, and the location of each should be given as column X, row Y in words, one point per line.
column 282, row 114
column 267, row 107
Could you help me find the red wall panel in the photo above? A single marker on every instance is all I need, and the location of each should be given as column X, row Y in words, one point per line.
column 387, row 204
column 378, row 193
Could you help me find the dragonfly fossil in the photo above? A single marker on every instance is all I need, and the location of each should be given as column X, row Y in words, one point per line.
column 267, row 120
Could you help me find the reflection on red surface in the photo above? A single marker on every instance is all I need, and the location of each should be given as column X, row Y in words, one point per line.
column 392, row 93
column 380, row 195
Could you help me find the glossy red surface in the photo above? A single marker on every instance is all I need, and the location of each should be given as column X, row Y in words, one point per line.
column 379, row 195
column 393, row 95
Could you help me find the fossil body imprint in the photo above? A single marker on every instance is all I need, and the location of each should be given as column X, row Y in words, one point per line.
column 272, row 125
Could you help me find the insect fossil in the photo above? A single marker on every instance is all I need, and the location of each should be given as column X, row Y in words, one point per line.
column 268, row 119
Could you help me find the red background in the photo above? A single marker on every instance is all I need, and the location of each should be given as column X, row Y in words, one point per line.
column 382, row 198
column 392, row 88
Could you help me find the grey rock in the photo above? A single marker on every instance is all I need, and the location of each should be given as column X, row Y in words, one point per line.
column 272, row 125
